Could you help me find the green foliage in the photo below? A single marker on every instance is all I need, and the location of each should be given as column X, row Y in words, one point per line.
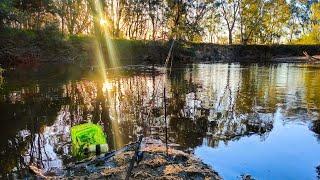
column 314, row 36
column 6, row 12
column 250, row 21
column 18, row 33
column 251, row 18
column 50, row 36
column 182, row 23
column 311, row 38
column 275, row 18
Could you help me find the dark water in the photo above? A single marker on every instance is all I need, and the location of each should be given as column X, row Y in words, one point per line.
column 261, row 120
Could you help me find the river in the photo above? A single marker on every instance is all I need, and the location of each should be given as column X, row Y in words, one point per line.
column 255, row 119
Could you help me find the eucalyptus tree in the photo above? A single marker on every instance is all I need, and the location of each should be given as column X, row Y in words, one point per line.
column 153, row 7
column 212, row 26
column 296, row 24
column 36, row 12
column 186, row 19
column 76, row 14
column 251, row 14
column 229, row 11
column 197, row 15
column 275, row 18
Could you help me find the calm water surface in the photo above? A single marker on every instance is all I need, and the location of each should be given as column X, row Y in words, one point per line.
column 261, row 120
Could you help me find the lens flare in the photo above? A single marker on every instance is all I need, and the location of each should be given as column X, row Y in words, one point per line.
column 103, row 39
column 105, row 29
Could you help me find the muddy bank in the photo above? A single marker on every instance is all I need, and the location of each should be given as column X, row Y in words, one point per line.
column 33, row 47
column 254, row 53
column 21, row 47
column 155, row 163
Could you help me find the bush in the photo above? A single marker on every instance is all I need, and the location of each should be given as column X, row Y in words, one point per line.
column 311, row 38
column 50, row 36
column 18, row 34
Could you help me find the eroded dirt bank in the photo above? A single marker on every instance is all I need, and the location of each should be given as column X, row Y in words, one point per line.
column 44, row 47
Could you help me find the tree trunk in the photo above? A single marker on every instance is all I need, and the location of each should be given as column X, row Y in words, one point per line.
column 38, row 21
column 62, row 24
column 62, row 18
column 153, row 29
column 230, row 36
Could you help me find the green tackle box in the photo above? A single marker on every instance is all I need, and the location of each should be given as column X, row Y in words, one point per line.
column 84, row 135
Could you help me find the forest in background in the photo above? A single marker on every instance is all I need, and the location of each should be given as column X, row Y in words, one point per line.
column 214, row 21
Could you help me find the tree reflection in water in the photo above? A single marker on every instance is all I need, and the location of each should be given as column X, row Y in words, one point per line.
column 315, row 127
column 220, row 102
column 318, row 172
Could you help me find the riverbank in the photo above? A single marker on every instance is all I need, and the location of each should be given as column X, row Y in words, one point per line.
column 48, row 46
column 156, row 163
column 30, row 47
column 254, row 53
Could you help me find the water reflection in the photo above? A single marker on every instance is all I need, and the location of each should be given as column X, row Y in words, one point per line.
column 315, row 127
column 207, row 104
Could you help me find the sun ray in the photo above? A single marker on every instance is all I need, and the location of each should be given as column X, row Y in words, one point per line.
column 103, row 38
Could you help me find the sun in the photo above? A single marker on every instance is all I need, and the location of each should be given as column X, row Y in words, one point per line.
column 103, row 21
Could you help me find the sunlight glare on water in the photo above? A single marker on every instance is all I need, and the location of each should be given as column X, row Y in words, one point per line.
column 103, row 38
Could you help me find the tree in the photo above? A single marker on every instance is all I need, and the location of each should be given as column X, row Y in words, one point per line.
column 230, row 10
column 296, row 23
column 153, row 6
column 275, row 18
column 212, row 26
column 315, row 21
column 35, row 13
column 76, row 14
column 176, row 17
column 6, row 12
column 251, row 17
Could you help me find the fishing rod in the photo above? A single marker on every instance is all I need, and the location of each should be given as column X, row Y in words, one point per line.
column 134, row 158
column 164, row 94
column 105, row 157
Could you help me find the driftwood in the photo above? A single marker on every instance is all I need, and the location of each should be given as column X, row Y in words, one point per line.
column 310, row 58
column 37, row 172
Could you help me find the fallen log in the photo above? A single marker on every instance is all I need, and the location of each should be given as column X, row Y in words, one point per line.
column 310, row 58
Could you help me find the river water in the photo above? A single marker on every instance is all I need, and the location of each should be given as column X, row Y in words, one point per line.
column 261, row 120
